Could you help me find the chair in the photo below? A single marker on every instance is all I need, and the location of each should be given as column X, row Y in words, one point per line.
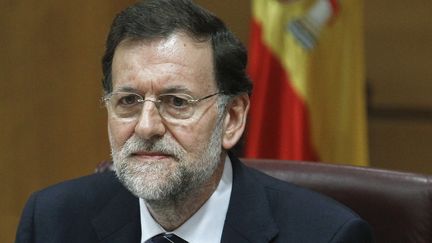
column 397, row 205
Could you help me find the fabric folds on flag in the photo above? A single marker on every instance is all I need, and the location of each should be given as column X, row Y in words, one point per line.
column 307, row 64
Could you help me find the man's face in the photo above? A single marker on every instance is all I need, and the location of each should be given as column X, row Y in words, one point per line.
column 154, row 158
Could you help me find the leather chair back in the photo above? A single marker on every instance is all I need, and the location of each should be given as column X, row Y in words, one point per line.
column 397, row 205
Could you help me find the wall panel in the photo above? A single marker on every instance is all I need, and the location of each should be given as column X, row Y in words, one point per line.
column 52, row 124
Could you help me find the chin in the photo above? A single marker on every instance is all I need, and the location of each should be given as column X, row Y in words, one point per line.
column 150, row 180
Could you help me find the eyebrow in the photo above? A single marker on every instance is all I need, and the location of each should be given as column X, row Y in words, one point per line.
column 172, row 89
column 127, row 89
column 176, row 89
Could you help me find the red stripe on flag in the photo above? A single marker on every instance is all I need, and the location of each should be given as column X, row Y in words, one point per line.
column 335, row 6
column 278, row 121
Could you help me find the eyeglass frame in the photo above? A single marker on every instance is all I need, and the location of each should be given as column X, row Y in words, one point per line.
column 193, row 101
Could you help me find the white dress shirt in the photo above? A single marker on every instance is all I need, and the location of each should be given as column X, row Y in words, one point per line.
column 206, row 225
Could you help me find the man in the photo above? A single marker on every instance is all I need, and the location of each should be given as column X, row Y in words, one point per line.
column 177, row 98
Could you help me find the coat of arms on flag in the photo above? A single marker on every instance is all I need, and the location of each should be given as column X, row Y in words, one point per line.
column 307, row 28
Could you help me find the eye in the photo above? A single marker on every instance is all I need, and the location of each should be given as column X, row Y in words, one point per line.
column 175, row 101
column 129, row 100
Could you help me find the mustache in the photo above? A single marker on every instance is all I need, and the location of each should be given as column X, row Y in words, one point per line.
column 162, row 145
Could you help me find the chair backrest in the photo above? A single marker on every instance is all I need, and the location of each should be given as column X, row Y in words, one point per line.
column 397, row 205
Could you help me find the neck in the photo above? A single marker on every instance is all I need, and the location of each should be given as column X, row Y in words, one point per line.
column 171, row 214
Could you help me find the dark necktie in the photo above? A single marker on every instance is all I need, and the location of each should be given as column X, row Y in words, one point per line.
column 165, row 238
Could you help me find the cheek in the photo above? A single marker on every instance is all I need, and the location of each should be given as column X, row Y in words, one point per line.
column 186, row 139
column 194, row 138
column 119, row 132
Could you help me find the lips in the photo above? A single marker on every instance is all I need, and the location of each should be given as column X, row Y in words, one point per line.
column 151, row 155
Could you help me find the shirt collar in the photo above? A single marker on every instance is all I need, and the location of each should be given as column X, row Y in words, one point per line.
column 206, row 224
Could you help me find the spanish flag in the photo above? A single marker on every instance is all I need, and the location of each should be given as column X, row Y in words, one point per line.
column 307, row 65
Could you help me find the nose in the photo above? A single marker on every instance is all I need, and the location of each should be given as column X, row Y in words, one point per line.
column 150, row 123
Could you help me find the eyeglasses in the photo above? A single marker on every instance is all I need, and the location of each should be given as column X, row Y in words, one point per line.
column 171, row 106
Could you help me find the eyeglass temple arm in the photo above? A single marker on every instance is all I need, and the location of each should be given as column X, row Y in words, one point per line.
column 206, row 97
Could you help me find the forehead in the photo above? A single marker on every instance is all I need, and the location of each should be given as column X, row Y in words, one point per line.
column 152, row 65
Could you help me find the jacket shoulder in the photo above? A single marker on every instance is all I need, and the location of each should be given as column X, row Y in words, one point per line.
column 67, row 208
column 284, row 195
column 84, row 194
column 83, row 185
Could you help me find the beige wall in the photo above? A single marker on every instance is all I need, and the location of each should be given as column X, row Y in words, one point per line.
column 399, row 52
column 399, row 71
column 53, row 128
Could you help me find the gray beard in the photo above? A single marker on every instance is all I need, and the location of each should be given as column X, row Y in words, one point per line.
column 162, row 182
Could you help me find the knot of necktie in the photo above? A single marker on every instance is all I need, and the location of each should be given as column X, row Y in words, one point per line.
column 165, row 238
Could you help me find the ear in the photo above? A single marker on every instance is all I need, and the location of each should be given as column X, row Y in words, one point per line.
column 235, row 120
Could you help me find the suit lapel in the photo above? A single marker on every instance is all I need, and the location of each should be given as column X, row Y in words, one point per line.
column 119, row 220
column 248, row 217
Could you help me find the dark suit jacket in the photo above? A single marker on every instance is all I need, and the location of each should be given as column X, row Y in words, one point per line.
column 97, row 208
